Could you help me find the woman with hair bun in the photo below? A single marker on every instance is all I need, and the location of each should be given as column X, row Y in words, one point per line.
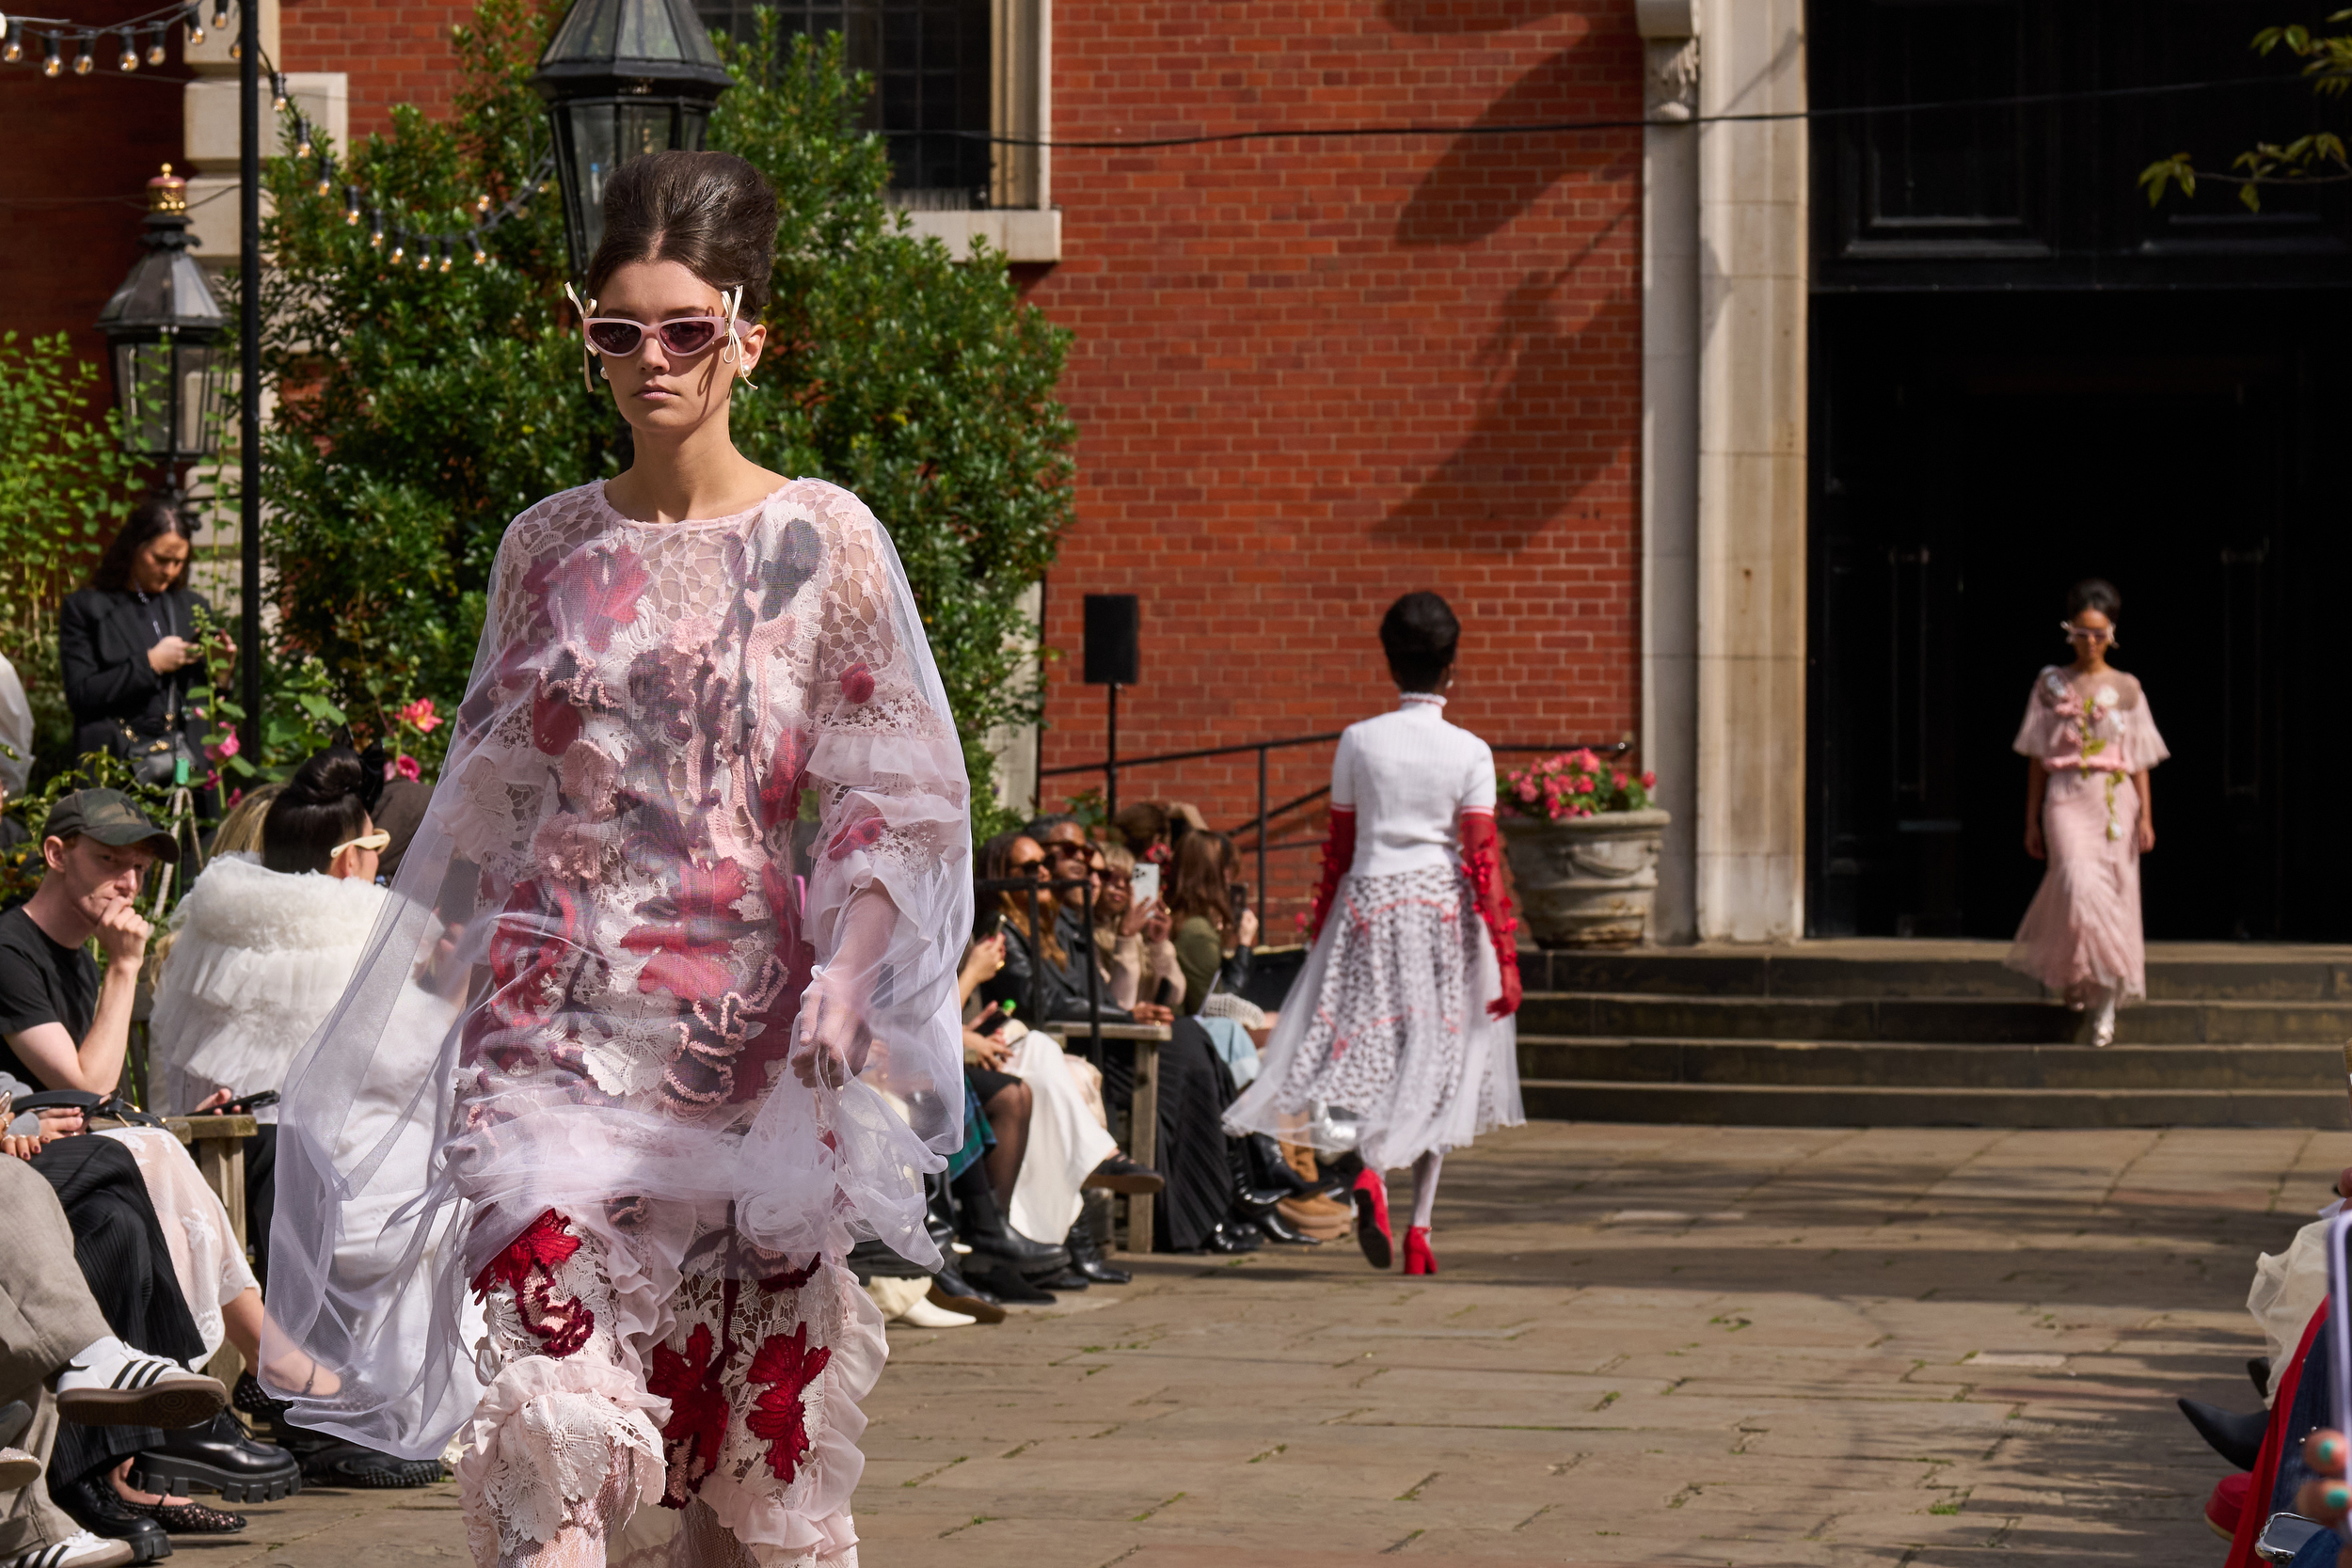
column 2089, row 741
column 1397, row 1037
column 261, row 950
column 710, row 1040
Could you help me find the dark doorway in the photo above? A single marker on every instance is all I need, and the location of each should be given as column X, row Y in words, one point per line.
column 2021, row 377
column 1978, row 455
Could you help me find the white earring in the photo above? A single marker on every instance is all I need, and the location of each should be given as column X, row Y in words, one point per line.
column 585, row 354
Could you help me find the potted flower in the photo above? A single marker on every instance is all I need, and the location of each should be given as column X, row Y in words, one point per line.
column 1584, row 842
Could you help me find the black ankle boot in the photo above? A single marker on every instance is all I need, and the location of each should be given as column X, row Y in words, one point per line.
column 1249, row 1198
column 98, row 1508
column 985, row 1230
column 1086, row 1256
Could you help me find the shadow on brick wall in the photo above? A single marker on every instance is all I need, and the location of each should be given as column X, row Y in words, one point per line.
column 1487, row 179
column 1541, row 436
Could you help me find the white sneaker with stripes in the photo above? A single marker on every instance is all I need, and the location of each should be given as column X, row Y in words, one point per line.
column 109, row 1384
column 79, row 1550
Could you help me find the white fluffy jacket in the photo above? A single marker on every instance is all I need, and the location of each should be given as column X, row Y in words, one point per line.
column 260, row 958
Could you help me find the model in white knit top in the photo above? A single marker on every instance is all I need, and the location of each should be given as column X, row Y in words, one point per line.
column 1398, row 1037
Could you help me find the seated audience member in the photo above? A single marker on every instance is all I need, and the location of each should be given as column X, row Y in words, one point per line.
column 62, row 1361
column 1213, row 938
column 1131, row 957
column 1143, row 829
column 1038, row 970
column 63, row 1026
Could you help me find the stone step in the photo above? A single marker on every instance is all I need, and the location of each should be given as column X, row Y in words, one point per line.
column 2180, row 972
column 1772, row 1105
column 1935, row 1020
column 1884, row 1065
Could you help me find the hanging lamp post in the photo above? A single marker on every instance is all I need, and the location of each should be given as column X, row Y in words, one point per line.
column 622, row 78
column 164, row 330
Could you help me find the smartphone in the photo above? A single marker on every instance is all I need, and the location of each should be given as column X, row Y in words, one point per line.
column 1147, row 883
column 1237, row 894
column 987, row 924
column 245, row 1105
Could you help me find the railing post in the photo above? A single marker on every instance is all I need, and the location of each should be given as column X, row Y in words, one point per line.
column 1110, row 760
column 1037, row 963
column 1094, row 973
column 1264, row 908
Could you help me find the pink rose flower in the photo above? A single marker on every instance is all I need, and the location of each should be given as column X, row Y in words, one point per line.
column 227, row 746
column 1526, row 790
column 1584, row 784
column 420, row 713
column 409, row 766
column 1649, row 780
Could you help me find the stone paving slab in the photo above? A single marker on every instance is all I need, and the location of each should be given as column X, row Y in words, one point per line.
column 1680, row 1345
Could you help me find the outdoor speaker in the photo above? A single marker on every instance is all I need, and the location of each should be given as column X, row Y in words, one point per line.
column 1113, row 621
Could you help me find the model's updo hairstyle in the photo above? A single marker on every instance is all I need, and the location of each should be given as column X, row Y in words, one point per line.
column 711, row 213
column 1419, row 633
column 2094, row 594
column 320, row 807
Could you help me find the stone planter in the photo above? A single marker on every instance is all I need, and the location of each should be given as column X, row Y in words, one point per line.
column 1588, row 881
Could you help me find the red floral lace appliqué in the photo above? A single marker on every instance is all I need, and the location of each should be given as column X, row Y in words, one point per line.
column 599, row 590
column 528, row 1267
column 694, row 928
column 697, row 1426
column 780, row 1415
column 857, row 683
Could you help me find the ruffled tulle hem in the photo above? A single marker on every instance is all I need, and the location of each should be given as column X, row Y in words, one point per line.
column 1403, row 974
column 512, row 1474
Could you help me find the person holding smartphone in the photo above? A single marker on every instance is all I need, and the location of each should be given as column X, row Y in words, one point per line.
column 1215, row 927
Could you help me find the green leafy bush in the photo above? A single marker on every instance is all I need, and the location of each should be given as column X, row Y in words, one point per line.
column 420, row 410
column 65, row 487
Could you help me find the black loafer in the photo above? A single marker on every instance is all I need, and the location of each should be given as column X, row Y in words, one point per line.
column 218, row 1457
column 1069, row 1280
column 98, row 1508
column 1007, row 1283
column 2235, row 1437
column 1233, row 1238
column 1279, row 1229
column 1028, row 1256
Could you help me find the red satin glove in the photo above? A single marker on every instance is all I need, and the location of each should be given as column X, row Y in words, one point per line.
column 1483, row 867
column 1339, row 854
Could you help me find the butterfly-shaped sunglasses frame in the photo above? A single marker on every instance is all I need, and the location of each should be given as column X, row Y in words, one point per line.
column 730, row 301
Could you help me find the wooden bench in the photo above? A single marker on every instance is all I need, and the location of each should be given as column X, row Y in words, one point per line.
column 1143, row 1116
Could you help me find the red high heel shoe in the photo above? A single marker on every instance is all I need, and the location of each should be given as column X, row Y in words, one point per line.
column 1418, row 1258
column 1372, row 1218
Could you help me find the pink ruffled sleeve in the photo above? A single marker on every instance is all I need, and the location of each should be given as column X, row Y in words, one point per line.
column 2044, row 732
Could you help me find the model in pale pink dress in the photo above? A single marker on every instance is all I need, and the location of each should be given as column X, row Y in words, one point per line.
column 2090, row 740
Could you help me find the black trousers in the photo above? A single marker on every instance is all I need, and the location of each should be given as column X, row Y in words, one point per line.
column 261, row 1196
column 119, row 1245
column 1194, row 1088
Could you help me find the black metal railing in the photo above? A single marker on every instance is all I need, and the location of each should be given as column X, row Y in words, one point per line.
column 1110, row 769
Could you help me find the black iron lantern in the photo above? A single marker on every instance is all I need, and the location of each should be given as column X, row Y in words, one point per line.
column 622, row 78
column 165, row 329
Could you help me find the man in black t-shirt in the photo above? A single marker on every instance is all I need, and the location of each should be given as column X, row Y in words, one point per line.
column 63, row 1024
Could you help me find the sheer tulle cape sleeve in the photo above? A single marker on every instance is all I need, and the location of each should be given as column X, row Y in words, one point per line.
column 2044, row 732
column 2148, row 746
column 693, row 770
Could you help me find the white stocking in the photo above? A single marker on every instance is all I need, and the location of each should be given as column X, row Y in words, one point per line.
column 1425, row 1187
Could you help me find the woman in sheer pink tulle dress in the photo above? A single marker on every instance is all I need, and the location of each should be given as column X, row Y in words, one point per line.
column 697, row 872
column 2090, row 740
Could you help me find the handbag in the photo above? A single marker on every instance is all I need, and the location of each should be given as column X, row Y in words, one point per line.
column 163, row 761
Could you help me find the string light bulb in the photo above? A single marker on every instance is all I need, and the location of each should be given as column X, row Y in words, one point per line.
column 449, row 253
column 236, row 46
column 302, row 137
column 326, row 176
column 277, row 92
column 196, row 25
column 85, row 61
column 129, row 58
column 12, row 50
column 400, row 249
column 351, row 202
column 482, row 205
column 54, row 62
column 375, row 228
column 220, row 15
column 155, row 45
column 424, row 254
column 480, row 255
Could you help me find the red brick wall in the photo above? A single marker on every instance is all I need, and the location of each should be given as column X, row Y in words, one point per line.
column 1310, row 376
column 73, row 179
column 393, row 53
